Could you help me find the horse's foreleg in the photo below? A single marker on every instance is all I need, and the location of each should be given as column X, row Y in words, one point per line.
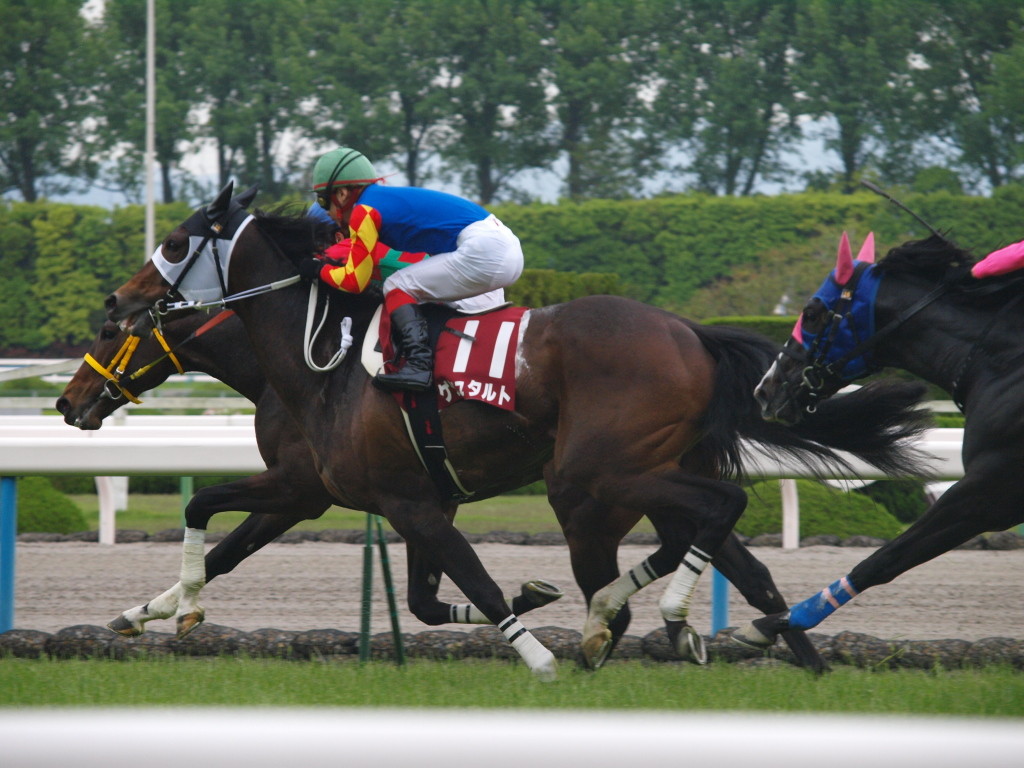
column 952, row 520
column 424, row 579
column 180, row 601
column 441, row 545
column 753, row 580
column 132, row 622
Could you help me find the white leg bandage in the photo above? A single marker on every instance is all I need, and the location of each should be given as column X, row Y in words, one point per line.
column 675, row 603
column 538, row 658
column 608, row 600
column 467, row 613
column 193, row 566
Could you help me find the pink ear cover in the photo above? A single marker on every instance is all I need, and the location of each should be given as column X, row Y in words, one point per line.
column 1000, row 262
column 844, row 261
column 798, row 333
column 867, row 251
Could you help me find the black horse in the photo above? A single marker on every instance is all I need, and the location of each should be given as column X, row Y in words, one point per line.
column 918, row 309
column 631, row 406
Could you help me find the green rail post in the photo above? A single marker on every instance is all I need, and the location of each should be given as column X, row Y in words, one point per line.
column 389, row 589
column 186, row 496
column 364, row 622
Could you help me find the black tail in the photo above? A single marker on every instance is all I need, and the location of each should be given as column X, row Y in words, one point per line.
column 874, row 423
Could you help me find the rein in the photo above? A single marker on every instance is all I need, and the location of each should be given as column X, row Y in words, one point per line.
column 164, row 307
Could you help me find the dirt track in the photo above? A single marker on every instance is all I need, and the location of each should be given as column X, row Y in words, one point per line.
column 966, row 595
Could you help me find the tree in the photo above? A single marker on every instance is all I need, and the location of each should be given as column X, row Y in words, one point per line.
column 249, row 63
column 376, row 81
column 970, row 52
column 121, row 94
column 852, row 67
column 492, row 65
column 46, row 62
column 596, row 73
column 726, row 96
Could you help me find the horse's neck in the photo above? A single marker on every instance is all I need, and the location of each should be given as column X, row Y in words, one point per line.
column 225, row 354
column 274, row 325
column 942, row 343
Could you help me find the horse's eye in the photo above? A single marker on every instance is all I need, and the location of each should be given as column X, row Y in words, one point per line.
column 814, row 314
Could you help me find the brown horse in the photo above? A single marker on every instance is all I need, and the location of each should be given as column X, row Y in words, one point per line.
column 633, row 407
column 290, row 490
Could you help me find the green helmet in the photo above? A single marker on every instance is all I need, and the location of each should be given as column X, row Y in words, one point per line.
column 342, row 166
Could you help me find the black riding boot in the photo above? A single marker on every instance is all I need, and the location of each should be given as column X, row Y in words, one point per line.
column 409, row 331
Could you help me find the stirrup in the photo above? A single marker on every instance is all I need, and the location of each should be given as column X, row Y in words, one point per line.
column 404, row 379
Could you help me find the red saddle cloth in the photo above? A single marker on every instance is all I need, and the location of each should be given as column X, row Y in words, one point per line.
column 475, row 357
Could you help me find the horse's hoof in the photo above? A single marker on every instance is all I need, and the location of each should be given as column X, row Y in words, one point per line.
column 539, row 593
column 125, row 628
column 687, row 642
column 597, row 648
column 189, row 621
column 751, row 636
column 546, row 672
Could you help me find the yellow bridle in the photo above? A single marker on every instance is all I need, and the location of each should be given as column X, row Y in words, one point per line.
column 115, row 371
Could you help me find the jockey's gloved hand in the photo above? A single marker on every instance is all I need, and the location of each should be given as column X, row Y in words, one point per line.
column 309, row 269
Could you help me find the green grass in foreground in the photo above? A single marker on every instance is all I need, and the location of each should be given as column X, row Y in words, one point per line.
column 157, row 512
column 499, row 684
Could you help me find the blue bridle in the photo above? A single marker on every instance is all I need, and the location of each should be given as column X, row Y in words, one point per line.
column 840, row 350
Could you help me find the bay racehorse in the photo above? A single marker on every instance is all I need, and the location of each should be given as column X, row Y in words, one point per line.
column 917, row 309
column 627, row 404
column 120, row 367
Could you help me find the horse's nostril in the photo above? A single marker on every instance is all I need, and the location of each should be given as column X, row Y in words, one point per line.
column 62, row 405
column 110, row 303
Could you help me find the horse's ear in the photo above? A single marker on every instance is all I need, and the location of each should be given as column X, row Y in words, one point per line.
column 844, row 261
column 245, row 199
column 867, row 251
column 219, row 207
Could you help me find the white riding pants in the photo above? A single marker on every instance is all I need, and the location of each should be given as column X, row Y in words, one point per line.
column 473, row 277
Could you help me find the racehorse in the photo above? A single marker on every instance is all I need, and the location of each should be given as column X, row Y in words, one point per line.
column 627, row 404
column 290, row 491
column 917, row 309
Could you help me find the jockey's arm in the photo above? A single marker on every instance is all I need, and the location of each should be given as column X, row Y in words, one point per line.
column 364, row 233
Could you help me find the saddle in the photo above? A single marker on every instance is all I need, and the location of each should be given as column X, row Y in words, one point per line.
column 474, row 359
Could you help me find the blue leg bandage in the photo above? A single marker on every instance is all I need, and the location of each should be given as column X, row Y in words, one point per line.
column 811, row 612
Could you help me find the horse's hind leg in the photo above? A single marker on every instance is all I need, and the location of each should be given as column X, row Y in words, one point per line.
column 676, row 502
column 753, row 580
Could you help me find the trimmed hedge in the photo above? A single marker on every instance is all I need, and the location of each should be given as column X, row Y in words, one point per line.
column 904, row 498
column 823, row 510
column 44, row 509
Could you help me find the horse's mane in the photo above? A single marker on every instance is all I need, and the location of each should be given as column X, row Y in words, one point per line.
column 935, row 256
column 940, row 260
column 300, row 236
column 294, row 232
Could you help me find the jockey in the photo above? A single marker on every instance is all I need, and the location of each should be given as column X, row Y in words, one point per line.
column 472, row 255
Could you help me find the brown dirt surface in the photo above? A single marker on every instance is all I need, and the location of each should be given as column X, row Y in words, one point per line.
column 965, row 594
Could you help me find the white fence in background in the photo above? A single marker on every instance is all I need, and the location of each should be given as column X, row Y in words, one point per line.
column 226, row 444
